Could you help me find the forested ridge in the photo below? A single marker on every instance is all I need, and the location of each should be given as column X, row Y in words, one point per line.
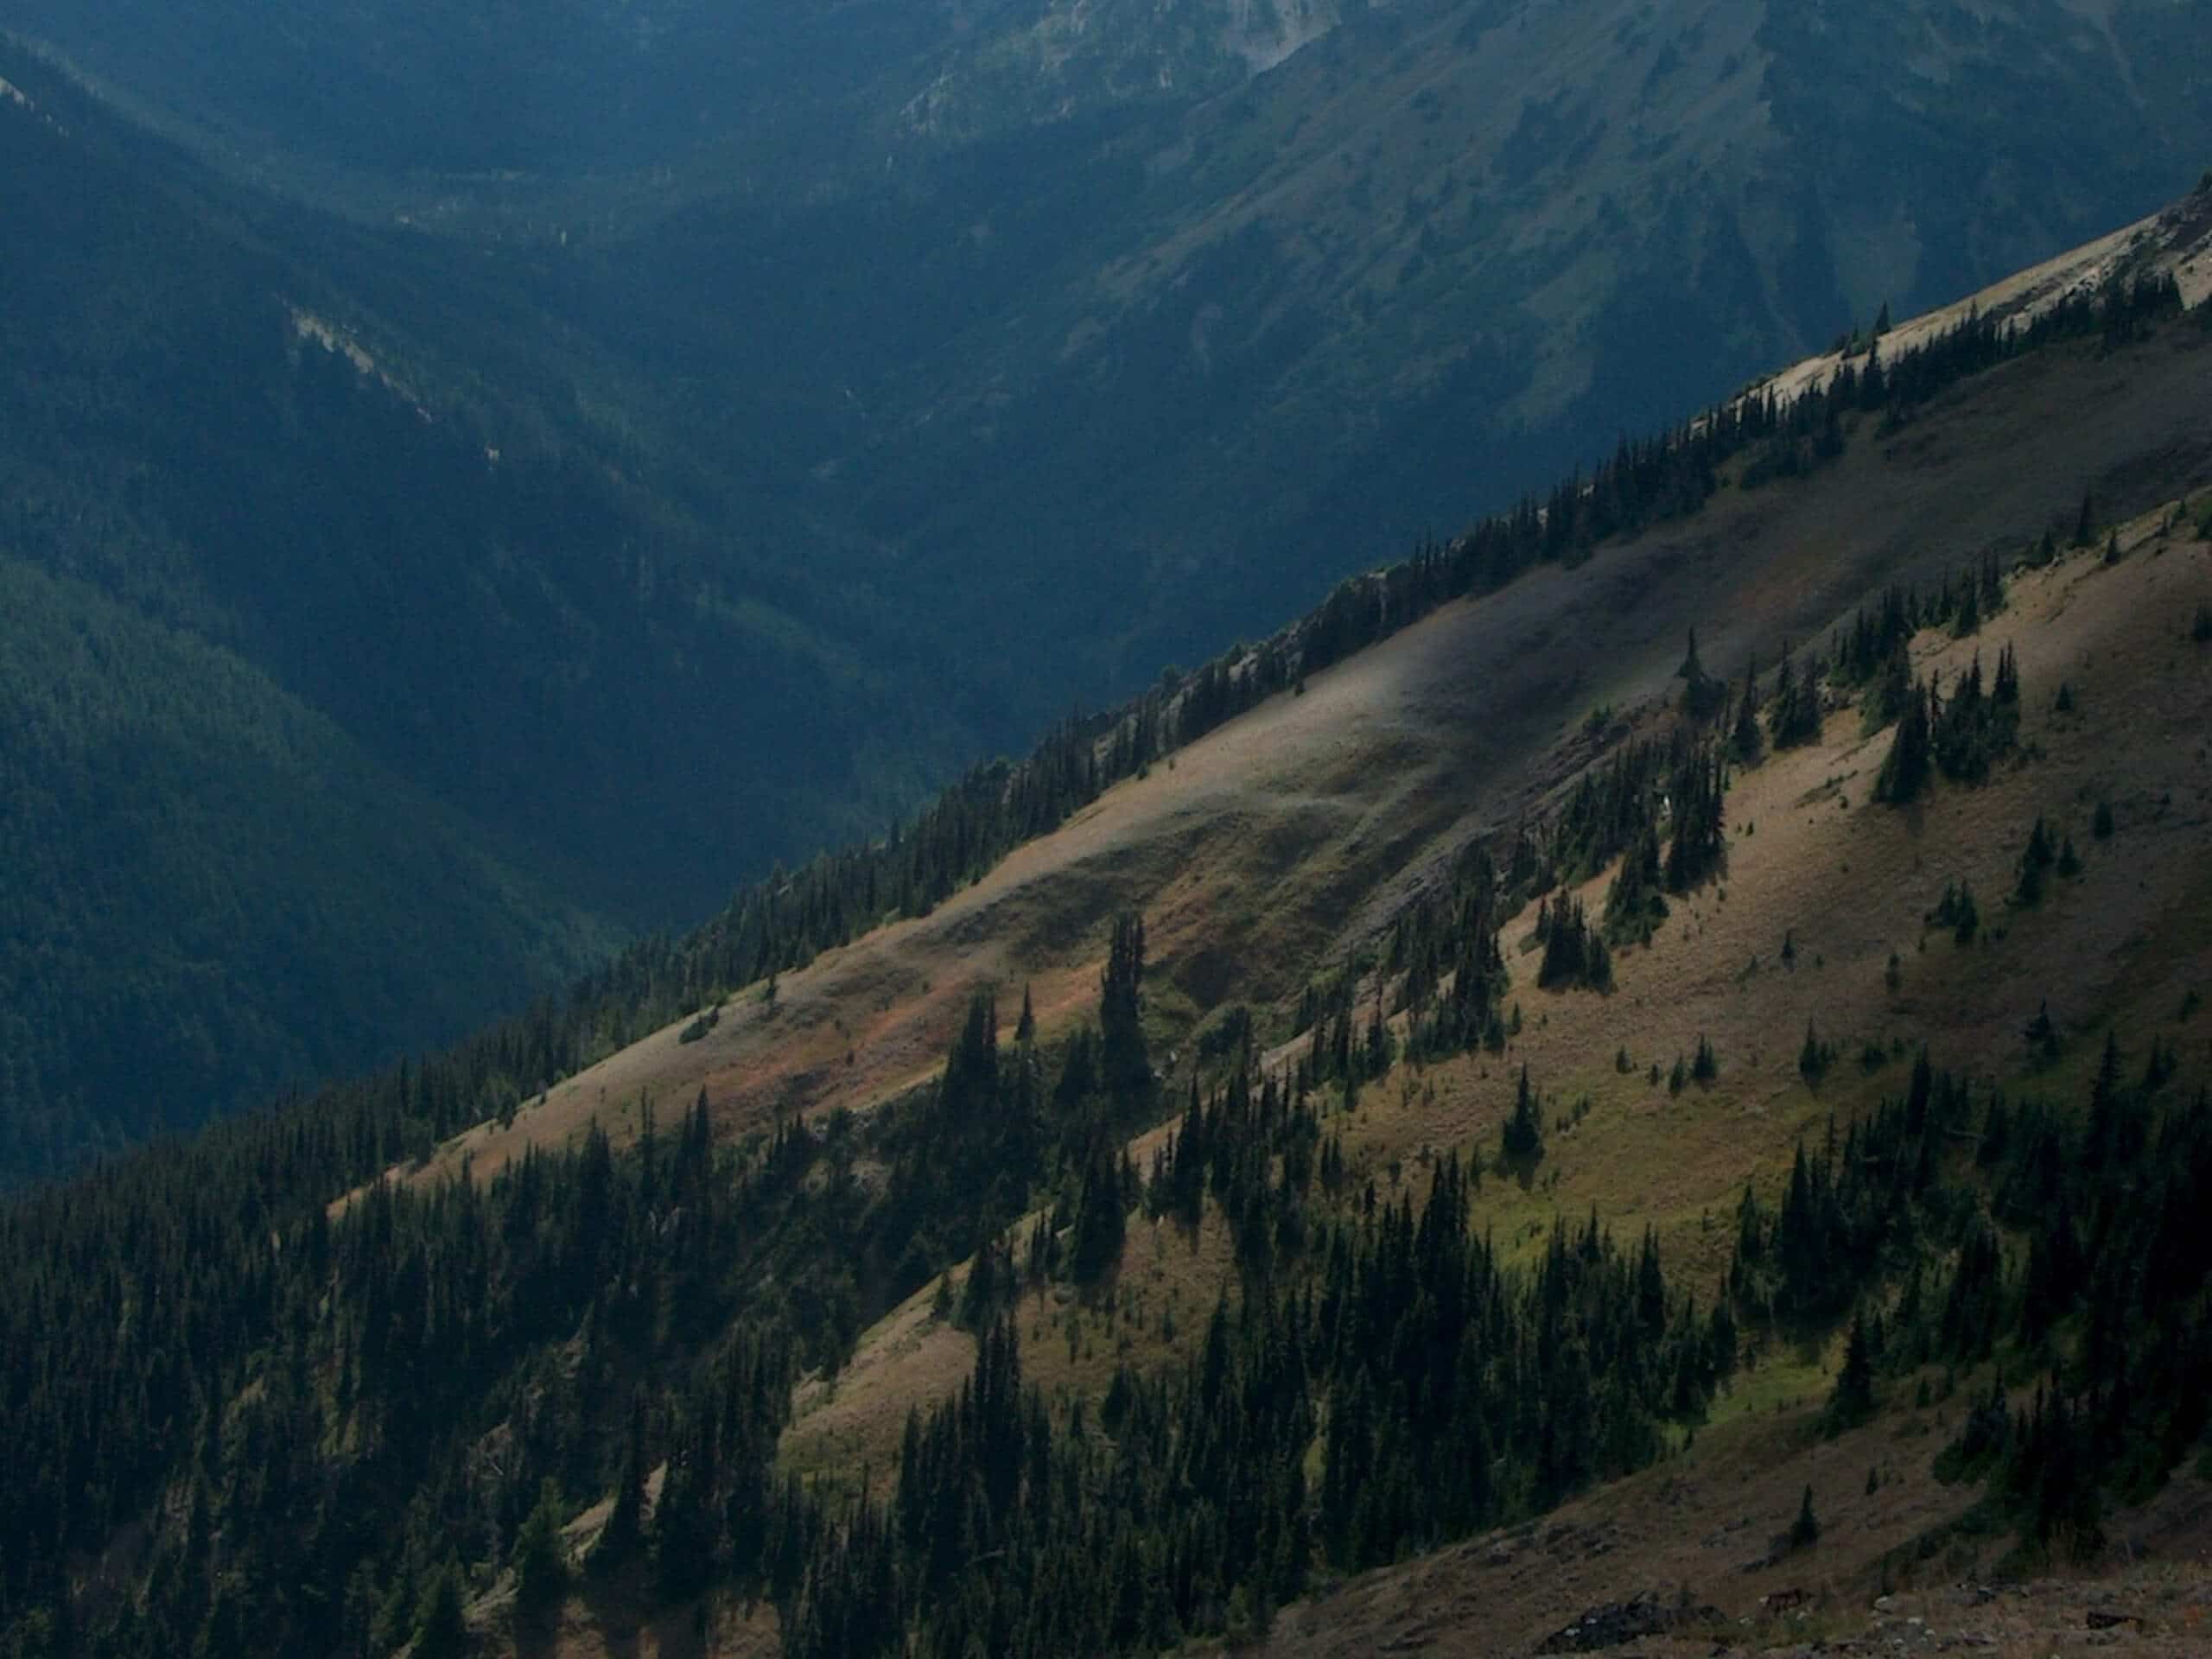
column 300, row 1400
column 263, row 1421
column 334, row 1424
column 197, row 906
column 784, row 921
column 533, row 603
column 348, row 468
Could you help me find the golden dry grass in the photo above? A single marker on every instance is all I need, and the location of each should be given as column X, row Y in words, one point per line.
column 1279, row 841
column 849, row 1425
column 1269, row 846
column 1150, row 1310
column 1848, row 882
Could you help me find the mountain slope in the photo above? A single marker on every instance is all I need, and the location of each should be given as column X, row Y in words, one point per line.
column 1280, row 840
column 2121, row 947
column 362, row 468
column 674, row 441
column 1286, row 1266
column 1451, row 248
column 1824, row 886
column 1157, row 321
column 202, row 386
column 213, row 893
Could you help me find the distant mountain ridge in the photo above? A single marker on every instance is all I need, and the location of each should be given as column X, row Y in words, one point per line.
column 823, row 398
column 213, row 894
column 289, row 475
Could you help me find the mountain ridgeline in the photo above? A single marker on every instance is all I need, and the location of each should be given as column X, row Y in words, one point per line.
column 503, row 652
column 666, row 441
column 292, row 1385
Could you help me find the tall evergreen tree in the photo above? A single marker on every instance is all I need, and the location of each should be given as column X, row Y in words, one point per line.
column 1906, row 768
column 1703, row 694
column 1101, row 1217
column 1125, row 1062
column 1522, row 1138
column 440, row 1631
column 541, row 1557
column 1852, row 1401
column 624, row 1531
column 1745, row 740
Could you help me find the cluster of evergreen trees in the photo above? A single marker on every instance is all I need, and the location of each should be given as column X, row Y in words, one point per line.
column 304, row 1419
column 2061, row 1246
column 1961, row 736
column 1446, row 945
column 1575, row 952
column 1657, row 805
column 1447, row 1393
column 323, row 1423
column 1963, row 1226
column 1695, row 849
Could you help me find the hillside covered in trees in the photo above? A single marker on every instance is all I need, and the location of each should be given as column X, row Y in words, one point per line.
column 667, row 443
column 238, row 487
column 1753, row 1011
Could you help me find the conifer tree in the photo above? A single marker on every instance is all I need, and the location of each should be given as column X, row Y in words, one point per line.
column 1905, row 770
column 1890, row 693
column 1701, row 693
column 1966, row 621
column 1125, row 1062
column 2007, row 691
column 1966, row 915
column 1813, row 1058
column 1101, row 1221
column 1805, row 1530
column 1747, row 739
column 1634, row 902
column 440, row 1631
column 619, row 1538
column 1523, row 1137
column 1852, row 1403
column 541, row 1558
column 1794, row 712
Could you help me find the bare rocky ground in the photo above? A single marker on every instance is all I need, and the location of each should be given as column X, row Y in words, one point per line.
column 2159, row 1610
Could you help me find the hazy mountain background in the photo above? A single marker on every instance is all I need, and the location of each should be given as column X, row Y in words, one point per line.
column 659, row 438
